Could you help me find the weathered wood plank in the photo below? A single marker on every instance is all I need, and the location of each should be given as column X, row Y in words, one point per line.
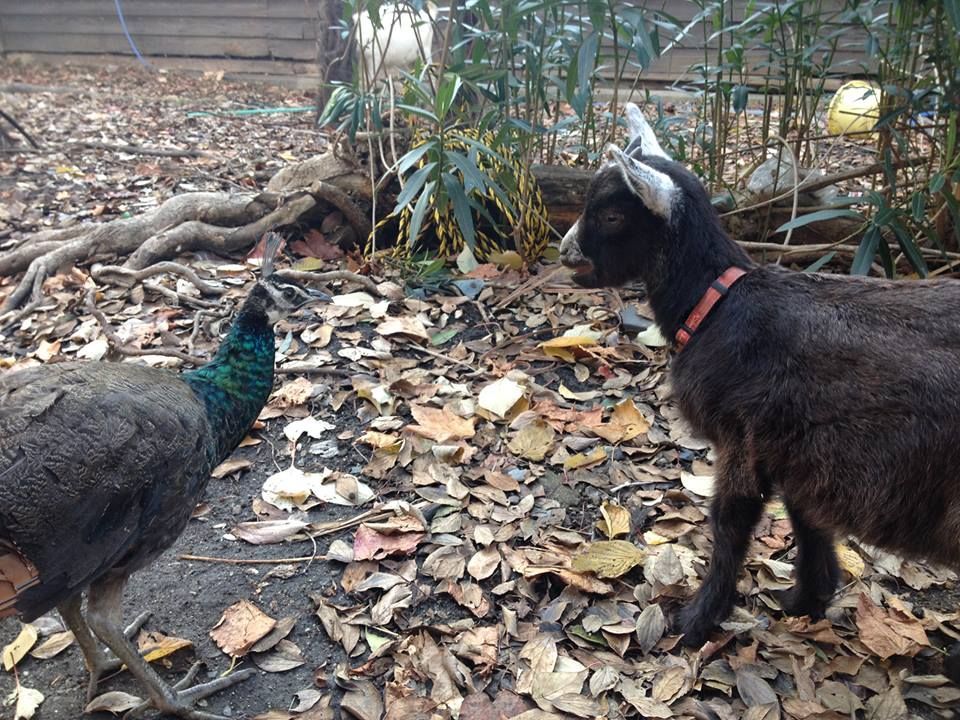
column 163, row 8
column 160, row 46
column 222, row 27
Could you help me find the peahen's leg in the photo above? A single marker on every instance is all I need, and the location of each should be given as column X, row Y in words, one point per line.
column 97, row 661
column 103, row 614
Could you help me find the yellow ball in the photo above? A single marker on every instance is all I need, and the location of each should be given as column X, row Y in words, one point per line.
column 855, row 109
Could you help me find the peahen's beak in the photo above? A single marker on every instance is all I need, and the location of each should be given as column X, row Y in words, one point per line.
column 316, row 296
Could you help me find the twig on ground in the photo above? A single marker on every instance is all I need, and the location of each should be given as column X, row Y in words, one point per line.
column 179, row 298
column 529, row 286
column 249, row 561
column 345, row 275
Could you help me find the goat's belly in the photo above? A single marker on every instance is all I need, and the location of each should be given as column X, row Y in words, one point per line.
column 899, row 514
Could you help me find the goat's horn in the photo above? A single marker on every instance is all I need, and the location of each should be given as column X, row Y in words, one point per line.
column 638, row 129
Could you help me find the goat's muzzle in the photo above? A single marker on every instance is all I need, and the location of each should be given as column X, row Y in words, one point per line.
column 572, row 256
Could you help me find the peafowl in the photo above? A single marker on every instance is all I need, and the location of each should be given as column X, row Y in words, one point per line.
column 101, row 465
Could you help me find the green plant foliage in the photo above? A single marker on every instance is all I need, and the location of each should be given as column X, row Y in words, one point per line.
column 504, row 70
column 466, row 189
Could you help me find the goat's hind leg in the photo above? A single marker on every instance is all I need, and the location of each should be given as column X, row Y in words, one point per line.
column 733, row 515
column 817, row 570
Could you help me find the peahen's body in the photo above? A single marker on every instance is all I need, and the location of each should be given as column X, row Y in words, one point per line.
column 101, row 465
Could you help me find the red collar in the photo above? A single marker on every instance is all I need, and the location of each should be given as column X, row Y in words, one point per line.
column 714, row 294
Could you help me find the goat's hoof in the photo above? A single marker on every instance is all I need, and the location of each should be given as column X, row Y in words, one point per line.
column 694, row 627
column 951, row 666
column 797, row 602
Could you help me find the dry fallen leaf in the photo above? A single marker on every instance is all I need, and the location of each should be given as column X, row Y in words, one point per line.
column 154, row 645
column 307, row 426
column 701, row 485
column 266, row 532
column 889, row 632
column 850, row 561
column 404, row 325
column 227, row 467
column 501, row 398
column 53, row 645
column 484, row 563
column 28, row 700
column 115, row 702
column 615, row 520
column 626, row 422
column 290, row 394
column 533, row 441
column 368, row 544
column 240, row 627
column 440, row 425
column 608, row 558
column 567, row 348
column 579, row 460
column 16, row 650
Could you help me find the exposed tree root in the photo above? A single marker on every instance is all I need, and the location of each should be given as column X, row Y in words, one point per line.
column 218, row 222
column 314, row 277
column 100, row 272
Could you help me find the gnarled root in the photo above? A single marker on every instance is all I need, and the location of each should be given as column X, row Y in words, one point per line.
column 219, row 222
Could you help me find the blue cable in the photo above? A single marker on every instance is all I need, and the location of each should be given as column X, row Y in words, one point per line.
column 126, row 32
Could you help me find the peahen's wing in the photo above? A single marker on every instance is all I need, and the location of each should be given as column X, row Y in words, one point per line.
column 100, row 466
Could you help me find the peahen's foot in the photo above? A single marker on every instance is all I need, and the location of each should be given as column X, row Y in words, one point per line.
column 98, row 662
column 179, row 699
column 103, row 664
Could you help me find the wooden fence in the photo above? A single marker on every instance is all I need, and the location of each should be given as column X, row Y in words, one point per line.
column 248, row 38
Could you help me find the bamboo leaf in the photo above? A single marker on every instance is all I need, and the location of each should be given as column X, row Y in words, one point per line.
column 414, row 184
column 866, row 251
column 461, row 210
column 419, row 211
column 819, row 216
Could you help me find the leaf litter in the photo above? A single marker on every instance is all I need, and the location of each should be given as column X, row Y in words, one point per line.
column 491, row 509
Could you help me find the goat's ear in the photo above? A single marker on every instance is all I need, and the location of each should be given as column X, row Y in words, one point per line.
column 643, row 141
column 656, row 189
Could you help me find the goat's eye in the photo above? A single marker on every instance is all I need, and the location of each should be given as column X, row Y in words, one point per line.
column 612, row 218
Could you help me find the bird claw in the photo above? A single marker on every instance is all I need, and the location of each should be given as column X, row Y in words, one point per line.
column 108, row 663
column 179, row 699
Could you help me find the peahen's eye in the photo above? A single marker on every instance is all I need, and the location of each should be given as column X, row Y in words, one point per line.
column 289, row 293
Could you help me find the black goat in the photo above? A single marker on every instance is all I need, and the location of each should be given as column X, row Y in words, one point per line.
column 841, row 393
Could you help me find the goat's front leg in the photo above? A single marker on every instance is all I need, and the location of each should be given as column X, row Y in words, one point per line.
column 817, row 570
column 733, row 515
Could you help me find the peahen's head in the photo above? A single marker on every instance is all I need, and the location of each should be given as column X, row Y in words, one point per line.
column 275, row 296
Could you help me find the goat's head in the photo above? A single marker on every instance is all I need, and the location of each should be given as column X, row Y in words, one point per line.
column 631, row 207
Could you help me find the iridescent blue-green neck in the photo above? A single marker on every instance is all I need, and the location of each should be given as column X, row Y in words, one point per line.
column 235, row 385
